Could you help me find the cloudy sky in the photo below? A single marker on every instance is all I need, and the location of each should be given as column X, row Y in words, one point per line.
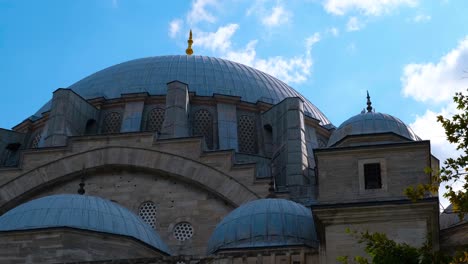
column 411, row 55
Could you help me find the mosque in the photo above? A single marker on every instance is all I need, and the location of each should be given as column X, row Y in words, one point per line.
column 196, row 159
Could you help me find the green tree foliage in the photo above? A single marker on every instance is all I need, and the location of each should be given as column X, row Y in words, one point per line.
column 382, row 250
column 454, row 170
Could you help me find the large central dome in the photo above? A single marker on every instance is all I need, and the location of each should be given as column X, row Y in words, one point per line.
column 204, row 75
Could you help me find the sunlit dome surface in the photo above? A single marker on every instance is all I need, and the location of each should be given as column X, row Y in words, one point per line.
column 371, row 123
column 81, row 212
column 265, row 223
column 204, row 75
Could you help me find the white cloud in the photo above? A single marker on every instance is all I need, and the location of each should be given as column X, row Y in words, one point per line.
column 427, row 127
column 421, row 18
column 354, row 24
column 437, row 82
column 333, row 31
column 174, row 27
column 367, row 7
column 290, row 70
column 199, row 12
column 277, row 16
column 219, row 41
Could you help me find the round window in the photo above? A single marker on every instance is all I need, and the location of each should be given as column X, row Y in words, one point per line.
column 183, row 231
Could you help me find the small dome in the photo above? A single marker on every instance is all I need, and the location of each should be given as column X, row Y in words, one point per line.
column 371, row 123
column 265, row 223
column 449, row 218
column 81, row 212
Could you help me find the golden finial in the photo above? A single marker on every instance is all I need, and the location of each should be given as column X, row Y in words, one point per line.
column 189, row 50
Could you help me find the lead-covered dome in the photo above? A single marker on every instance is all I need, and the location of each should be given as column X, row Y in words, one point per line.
column 265, row 223
column 368, row 123
column 81, row 212
column 204, row 75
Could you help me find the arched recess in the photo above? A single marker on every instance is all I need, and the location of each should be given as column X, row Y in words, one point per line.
column 215, row 181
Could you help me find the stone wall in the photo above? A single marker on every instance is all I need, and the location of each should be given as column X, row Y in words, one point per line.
column 403, row 222
column 69, row 245
column 176, row 201
column 68, row 117
column 402, row 165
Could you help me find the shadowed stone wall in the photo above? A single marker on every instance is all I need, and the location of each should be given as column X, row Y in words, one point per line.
column 68, row 117
column 69, row 245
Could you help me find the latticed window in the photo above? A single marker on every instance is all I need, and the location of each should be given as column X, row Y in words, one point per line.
column 112, row 123
column 36, row 140
column 183, row 231
column 155, row 120
column 247, row 134
column 203, row 126
column 147, row 212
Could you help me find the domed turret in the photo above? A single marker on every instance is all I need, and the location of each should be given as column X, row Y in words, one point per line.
column 265, row 223
column 81, row 212
column 370, row 122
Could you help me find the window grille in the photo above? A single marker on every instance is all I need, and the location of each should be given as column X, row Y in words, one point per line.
column 372, row 177
column 155, row 120
column 203, row 126
column 112, row 123
column 183, row 231
column 36, row 140
column 247, row 134
column 147, row 212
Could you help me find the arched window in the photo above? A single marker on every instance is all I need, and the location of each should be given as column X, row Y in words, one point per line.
column 155, row 119
column 36, row 140
column 9, row 155
column 202, row 125
column 147, row 212
column 112, row 123
column 91, row 127
column 247, row 134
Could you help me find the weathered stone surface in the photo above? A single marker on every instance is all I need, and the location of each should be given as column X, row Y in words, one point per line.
column 69, row 245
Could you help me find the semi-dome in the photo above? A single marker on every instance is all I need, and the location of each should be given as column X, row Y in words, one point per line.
column 81, row 212
column 204, row 75
column 265, row 223
column 371, row 123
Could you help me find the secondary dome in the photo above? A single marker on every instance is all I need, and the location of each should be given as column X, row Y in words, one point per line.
column 81, row 212
column 204, row 75
column 371, row 123
column 265, row 223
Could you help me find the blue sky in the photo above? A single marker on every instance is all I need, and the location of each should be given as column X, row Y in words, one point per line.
column 410, row 54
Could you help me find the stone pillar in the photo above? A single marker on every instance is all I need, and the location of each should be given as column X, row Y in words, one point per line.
column 177, row 109
column 132, row 116
column 290, row 163
column 227, row 126
column 68, row 117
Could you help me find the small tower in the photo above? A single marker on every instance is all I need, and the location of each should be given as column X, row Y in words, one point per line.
column 189, row 50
